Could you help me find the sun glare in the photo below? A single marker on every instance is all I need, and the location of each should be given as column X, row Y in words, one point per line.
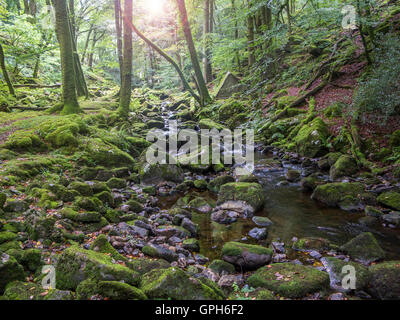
column 154, row 7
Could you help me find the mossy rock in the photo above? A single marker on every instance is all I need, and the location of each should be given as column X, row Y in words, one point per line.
column 334, row 267
column 344, row 166
column 191, row 245
column 200, row 184
column 252, row 193
column 10, row 270
column 152, row 174
column 175, row 284
column 31, row 259
column 3, row 199
column 265, row 294
column 390, row 199
column 116, row 183
column 99, row 187
column 83, row 188
column 290, row 280
column 246, row 256
column 210, row 124
column 22, row 140
column 332, row 194
column 221, row 267
column 88, row 216
column 157, row 251
column 215, row 184
column 394, row 139
column 229, row 109
column 311, row 139
column 144, row 265
column 373, row 212
column 385, row 281
column 15, row 205
column 6, row 236
column 76, row 265
column 134, row 206
column 102, row 245
column 200, row 205
column 311, row 243
column 106, row 198
column 150, row 190
column 113, row 290
column 364, row 248
column 90, row 204
column 18, row 290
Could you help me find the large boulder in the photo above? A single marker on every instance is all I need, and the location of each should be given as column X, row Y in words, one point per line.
column 364, row 248
column 76, row 265
column 10, row 270
column 289, row 280
column 344, row 166
column 338, row 194
column 215, row 184
column 152, row 174
column 251, row 193
column 334, row 267
column 158, row 251
column 310, row 140
column 229, row 85
column 174, row 283
column 246, row 256
column 385, row 280
column 390, row 199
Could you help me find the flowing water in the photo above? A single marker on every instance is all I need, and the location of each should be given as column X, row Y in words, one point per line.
column 293, row 214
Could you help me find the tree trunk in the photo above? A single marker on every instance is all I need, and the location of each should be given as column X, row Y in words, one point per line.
column 118, row 26
column 65, row 40
column 207, row 52
column 126, row 85
column 204, row 95
column 86, row 43
column 250, row 35
column 5, row 73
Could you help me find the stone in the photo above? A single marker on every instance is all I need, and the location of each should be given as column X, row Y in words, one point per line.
column 390, row 200
column 364, row 248
column 385, row 281
column 334, row 194
column 258, row 233
column 251, row 193
column 229, row 85
column 262, row 221
column 392, row 218
column 344, row 166
column 246, row 256
column 292, row 175
column 157, row 251
column 289, row 280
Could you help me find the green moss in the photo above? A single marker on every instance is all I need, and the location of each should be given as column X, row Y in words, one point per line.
column 6, row 236
column 83, row 188
column 364, row 248
column 32, row 259
column 173, row 283
column 191, row 245
column 384, row 283
column 221, row 266
column 105, row 197
column 265, row 294
column 201, row 184
column 332, row 194
column 116, row 183
column 144, row 265
column 3, row 199
column 10, row 270
column 75, row 265
column 344, row 166
column 252, row 193
column 229, row 109
column 395, row 139
column 210, row 124
column 215, row 184
column 18, row 290
column 311, row 243
column 311, row 139
column 134, row 206
column 289, row 280
column 236, row 249
column 390, row 199
column 102, row 245
column 89, row 216
column 90, row 204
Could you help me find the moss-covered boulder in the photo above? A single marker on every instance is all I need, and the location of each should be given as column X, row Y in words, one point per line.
column 6, row 236
column 311, row 243
column 76, row 265
column 251, row 193
column 15, row 205
column 221, row 267
column 246, row 256
column 101, row 244
column 116, row 183
column 87, row 217
column 394, row 139
column 311, row 139
column 215, row 184
column 200, row 205
column 344, row 166
column 174, row 283
column 3, row 199
column 113, row 290
column 18, row 290
column 364, row 248
column 144, row 265
column 390, row 199
column 83, row 188
column 335, row 267
column 152, row 174
column 289, row 280
column 385, row 281
column 157, row 251
column 10, row 270
column 210, row 124
column 191, row 245
column 334, row 194
column 229, row 109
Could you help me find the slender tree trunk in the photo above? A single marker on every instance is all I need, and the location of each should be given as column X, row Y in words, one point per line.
column 204, row 95
column 118, row 26
column 65, row 40
column 126, row 85
column 86, row 43
column 236, row 32
column 250, row 35
column 5, row 73
column 206, row 31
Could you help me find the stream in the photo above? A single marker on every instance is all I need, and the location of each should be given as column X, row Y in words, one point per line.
column 292, row 211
